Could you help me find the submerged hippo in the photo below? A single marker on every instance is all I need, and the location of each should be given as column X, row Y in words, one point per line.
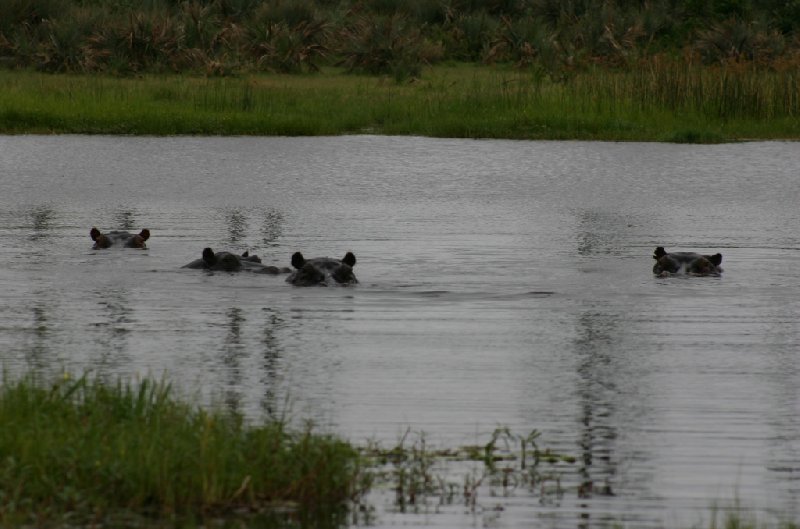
column 689, row 263
column 119, row 238
column 230, row 262
column 322, row 270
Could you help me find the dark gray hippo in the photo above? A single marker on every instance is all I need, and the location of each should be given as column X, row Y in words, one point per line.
column 119, row 238
column 689, row 263
column 322, row 271
column 230, row 262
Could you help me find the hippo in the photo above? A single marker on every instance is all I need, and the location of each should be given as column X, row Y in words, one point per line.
column 689, row 263
column 322, row 270
column 230, row 262
column 119, row 238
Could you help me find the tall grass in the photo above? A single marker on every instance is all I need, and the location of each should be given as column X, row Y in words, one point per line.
column 734, row 91
column 661, row 101
column 82, row 450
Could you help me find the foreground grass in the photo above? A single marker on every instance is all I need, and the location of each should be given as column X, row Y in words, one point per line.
column 80, row 451
column 664, row 102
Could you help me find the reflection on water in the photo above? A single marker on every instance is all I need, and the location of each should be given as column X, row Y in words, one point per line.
column 501, row 284
column 112, row 327
column 236, row 222
column 271, row 227
column 38, row 351
column 597, row 386
column 271, row 362
column 231, row 353
column 43, row 217
column 125, row 219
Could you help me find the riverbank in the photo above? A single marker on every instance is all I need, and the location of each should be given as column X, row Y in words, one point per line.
column 663, row 102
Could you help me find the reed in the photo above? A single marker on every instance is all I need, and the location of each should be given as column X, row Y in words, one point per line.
column 85, row 451
column 664, row 100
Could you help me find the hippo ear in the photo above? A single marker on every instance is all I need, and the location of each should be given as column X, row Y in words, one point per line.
column 349, row 259
column 144, row 234
column 208, row 256
column 715, row 259
column 659, row 253
column 94, row 233
column 298, row 260
column 246, row 253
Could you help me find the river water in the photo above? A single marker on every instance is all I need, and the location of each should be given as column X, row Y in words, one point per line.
column 502, row 283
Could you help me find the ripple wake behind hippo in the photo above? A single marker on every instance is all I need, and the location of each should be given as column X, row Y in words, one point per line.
column 119, row 238
column 230, row 262
column 689, row 263
column 322, row 271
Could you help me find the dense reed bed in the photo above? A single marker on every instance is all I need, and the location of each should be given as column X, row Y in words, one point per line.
column 664, row 100
column 80, row 451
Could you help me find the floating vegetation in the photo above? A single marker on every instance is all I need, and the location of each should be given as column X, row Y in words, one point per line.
column 419, row 474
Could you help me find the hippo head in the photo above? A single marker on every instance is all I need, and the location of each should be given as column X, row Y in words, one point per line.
column 343, row 274
column 137, row 241
column 221, row 261
column 119, row 238
column 100, row 240
column 689, row 263
column 308, row 275
column 322, row 270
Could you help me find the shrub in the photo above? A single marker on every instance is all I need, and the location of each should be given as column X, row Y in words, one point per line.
column 736, row 39
column 386, row 45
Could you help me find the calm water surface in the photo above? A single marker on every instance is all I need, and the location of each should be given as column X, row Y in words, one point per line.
column 502, row 283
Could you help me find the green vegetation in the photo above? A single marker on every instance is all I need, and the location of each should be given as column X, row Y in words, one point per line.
column 84, row 452
column 397, row 37
column 663, row 70
column 667, row 101
column 507, row 462
column 81, row 452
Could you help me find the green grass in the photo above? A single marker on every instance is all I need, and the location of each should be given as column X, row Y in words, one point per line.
column 660, row 103
column 81, row 451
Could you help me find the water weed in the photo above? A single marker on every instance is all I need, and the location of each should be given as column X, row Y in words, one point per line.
column 420, row 475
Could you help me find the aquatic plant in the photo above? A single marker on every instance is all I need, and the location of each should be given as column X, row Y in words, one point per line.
column 418, row 473
column 82, row 451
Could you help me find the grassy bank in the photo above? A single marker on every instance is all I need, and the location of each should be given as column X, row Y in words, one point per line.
column 80, row 451
column 663, row 101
